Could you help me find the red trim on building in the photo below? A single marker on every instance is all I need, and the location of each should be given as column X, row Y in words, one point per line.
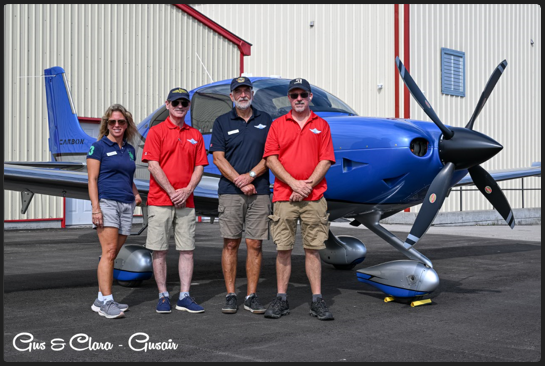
column 243, row 46
column 28, row 220
column 89, row 120
column 406, row 57
column 61, row 219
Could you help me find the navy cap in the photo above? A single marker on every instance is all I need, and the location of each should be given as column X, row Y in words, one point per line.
column 178, row 93
column 240, row 81
column 299, row 84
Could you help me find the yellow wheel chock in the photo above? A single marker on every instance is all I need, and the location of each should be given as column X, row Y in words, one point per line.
column 413, row 304
column 420, row 302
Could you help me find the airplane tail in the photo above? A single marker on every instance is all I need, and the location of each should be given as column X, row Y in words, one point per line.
column 67, row 141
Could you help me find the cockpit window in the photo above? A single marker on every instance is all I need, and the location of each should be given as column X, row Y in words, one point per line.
column 207, row 105
column 270, row 95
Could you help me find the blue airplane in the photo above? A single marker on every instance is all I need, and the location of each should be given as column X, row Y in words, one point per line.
column 383, row 166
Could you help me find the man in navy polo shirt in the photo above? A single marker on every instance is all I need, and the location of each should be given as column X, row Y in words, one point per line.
column 237, row 143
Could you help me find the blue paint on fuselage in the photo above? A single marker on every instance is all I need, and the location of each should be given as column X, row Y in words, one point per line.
column 389, row 290
column 374, row 163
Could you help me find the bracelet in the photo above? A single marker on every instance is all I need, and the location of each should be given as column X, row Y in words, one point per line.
column 99, row 212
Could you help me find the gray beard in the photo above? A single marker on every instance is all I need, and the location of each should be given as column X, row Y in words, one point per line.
column 239, row 106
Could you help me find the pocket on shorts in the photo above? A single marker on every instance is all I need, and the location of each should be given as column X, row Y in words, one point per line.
column 221, row 210
column 317, row 232
column 273, row 224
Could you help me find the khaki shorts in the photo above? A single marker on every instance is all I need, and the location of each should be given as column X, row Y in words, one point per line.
column 238, row 210
column 162, row 218
column 314, row 223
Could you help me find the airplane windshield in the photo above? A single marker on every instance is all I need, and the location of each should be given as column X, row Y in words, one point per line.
column 271, row 96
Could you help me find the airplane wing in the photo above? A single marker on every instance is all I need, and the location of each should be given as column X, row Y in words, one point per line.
column 506, row 174
column 49, row 164
column 61, row 180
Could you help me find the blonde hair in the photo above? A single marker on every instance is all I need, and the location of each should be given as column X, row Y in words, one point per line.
column 130, row 133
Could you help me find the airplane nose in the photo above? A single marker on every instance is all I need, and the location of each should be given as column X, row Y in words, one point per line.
column 467, row 148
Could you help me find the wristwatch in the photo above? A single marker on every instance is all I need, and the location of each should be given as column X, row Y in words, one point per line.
column 252, row 174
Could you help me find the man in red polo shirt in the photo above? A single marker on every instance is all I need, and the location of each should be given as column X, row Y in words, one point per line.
column 176, row 158
column 299, row 151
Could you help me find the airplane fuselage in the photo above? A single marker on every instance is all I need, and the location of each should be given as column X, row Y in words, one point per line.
column 376, row 163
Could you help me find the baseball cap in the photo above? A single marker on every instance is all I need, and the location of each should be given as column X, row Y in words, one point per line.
column 299, row 84
column 236, row 82
column 177, row 93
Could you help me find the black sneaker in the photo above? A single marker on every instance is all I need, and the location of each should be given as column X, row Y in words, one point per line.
column 277, row 308
column 252, row 304
column 319, row 309
column 230, row 306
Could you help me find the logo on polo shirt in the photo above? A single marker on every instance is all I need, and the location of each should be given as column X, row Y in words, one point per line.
column 260, row 126
column 92, row 150
column 131, row 155
column 316, row 131
column 192, row 141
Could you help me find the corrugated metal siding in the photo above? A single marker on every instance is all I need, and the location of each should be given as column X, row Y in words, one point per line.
column 487, row 34
column 128, row 54
column 348, row 51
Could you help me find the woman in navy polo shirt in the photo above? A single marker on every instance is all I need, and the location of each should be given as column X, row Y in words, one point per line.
column 111, row 167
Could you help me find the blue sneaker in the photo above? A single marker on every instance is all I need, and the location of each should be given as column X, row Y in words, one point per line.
column 163, row 306
column 189, row 304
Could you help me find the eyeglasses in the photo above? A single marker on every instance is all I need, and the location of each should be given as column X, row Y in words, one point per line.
column 296, row 95
column 238, row 91
column 120, row 122
column 175, row 103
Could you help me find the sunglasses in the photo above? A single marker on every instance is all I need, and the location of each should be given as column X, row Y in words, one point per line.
column 175, row 103
column 296, row 95
column 120, row 122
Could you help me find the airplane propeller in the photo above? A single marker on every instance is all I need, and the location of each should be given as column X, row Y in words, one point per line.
column 459, row 148
column 486, row 92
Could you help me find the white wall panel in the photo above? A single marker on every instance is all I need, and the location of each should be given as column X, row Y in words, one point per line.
column 350, row 49
column 131, row 54
column 487, row 34
column 347, row 52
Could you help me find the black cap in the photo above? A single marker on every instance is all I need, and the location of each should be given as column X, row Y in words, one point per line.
column 299, row 84
column 240, row 81
column 178, row 93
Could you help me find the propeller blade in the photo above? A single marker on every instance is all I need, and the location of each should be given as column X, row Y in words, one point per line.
column 487, row 91
column 421, row 100
column 432, row 203
column 493, row 193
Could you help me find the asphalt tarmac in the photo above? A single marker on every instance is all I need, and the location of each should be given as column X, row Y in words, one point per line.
column 486, row 308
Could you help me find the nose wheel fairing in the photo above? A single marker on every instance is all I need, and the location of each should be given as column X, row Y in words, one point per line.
column 343, row 251
column 401, row 279
column 133, row 263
